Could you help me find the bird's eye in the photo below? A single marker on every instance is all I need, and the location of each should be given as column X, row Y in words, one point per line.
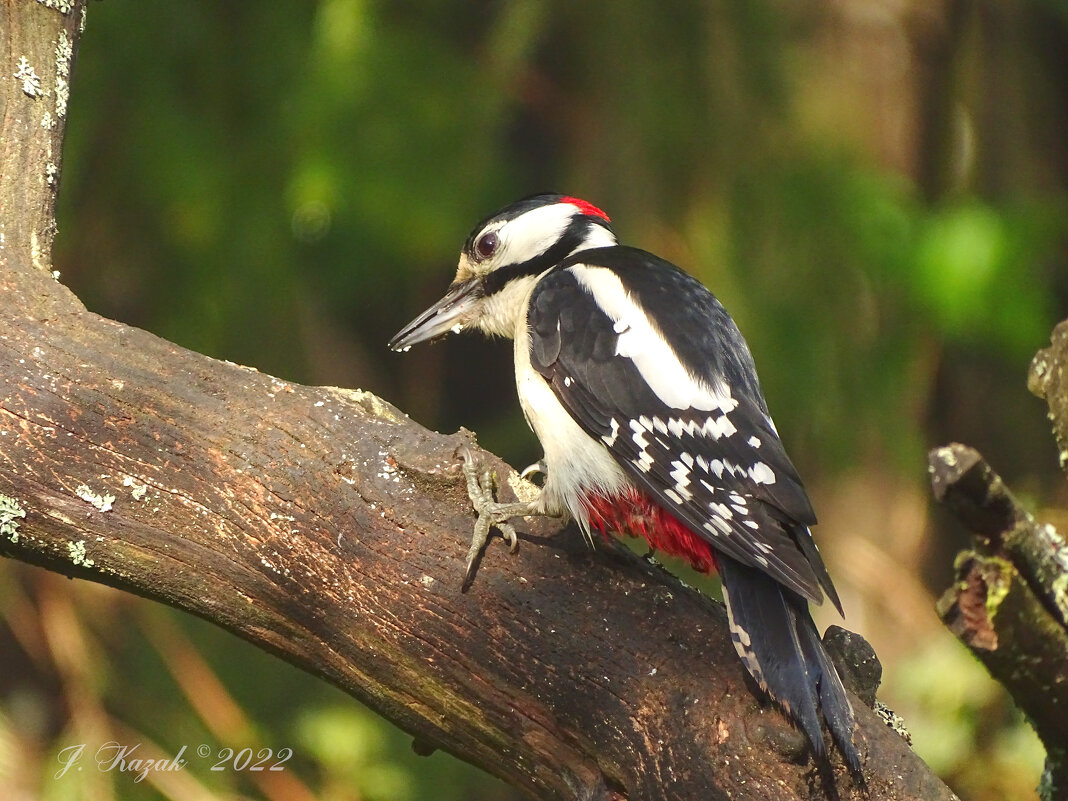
column 486, row 245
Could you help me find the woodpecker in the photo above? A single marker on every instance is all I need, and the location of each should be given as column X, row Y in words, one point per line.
column 646, row 401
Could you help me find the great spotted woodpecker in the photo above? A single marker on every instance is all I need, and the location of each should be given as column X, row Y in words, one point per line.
column 646, row 401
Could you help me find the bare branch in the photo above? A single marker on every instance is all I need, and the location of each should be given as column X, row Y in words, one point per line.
column 1009, row 603
column 1048, row 379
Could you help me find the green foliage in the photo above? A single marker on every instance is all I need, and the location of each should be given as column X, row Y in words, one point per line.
column 356, row 754
column 965, row 726
column 347, row 741
column 980, row 272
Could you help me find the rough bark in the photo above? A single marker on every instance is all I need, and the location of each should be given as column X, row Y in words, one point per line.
column 1048, row 379
column 324, row 526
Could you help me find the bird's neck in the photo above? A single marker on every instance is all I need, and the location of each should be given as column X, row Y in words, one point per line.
column 505, row 310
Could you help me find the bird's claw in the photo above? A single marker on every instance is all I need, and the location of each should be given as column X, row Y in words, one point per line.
column 534, row 469
column 491, row 514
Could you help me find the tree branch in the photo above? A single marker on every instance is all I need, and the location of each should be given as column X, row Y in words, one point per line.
column 1009, row 602
column 324, row 526
column 1048, row 379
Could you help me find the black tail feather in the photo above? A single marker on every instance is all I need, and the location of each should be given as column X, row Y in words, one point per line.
column 837, row 710
column 777, row 641
column 803, row 537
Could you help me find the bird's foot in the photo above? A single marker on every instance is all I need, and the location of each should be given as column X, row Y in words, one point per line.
column 491, row 514
column 539, row 467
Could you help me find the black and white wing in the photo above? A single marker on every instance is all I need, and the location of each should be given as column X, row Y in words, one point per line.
column 677, row 403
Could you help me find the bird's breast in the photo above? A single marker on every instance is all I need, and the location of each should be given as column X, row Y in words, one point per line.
column 577, row 464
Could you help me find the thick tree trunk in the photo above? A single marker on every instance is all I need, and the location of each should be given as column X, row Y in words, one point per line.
column 324, row 526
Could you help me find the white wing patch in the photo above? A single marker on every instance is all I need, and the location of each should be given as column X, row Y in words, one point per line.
column 640, row 342
column 762, row 474
column 714, row 427
column 644, row 461
column 725, row 507
column 681, row 473
column 610, row 439
column 743, row 645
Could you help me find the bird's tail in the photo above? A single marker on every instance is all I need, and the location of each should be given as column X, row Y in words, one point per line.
column 774, row 635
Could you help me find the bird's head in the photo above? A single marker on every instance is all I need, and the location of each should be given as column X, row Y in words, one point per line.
column 502, row 260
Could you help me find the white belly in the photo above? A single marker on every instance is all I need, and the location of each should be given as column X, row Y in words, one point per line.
column 577, row 464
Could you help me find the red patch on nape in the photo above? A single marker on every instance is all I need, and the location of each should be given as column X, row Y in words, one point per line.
column 586, row 208
column 634, row 514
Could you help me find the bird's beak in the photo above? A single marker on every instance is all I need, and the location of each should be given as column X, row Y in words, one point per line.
column 450, row 313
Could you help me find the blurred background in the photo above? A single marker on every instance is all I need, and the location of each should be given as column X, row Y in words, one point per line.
column 876, row 189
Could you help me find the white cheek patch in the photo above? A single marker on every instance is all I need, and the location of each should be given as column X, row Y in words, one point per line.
column 531, row 234
column 640, row 342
